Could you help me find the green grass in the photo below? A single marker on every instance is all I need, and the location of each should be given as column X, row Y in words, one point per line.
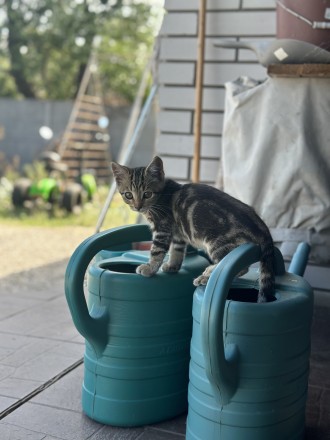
column 40, row 215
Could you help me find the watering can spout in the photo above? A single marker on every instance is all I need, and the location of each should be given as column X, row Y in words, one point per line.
column 300, row 259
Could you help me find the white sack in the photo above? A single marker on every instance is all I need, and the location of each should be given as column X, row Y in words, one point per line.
column 276, row 157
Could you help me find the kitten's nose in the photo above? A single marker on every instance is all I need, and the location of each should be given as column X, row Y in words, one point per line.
column 138, row 206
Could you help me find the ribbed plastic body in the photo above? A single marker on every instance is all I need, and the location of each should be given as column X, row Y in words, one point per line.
column 273, row 342
column 142, row 375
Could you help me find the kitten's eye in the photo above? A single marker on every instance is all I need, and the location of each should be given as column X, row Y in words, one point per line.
column 147, row 194
column 128, row 195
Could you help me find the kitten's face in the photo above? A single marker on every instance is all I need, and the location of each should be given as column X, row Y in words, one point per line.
column 140, row 187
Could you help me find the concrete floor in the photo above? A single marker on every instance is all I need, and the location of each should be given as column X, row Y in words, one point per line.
column 41, row 371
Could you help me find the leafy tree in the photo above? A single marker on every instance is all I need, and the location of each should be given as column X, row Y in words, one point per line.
column 46, row 45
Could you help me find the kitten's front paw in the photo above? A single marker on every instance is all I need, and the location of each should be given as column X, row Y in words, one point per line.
column 166, row 267
column 201, row 280
column 145, row 270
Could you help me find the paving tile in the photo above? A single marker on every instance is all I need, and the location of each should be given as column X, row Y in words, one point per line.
column 4, row 352
column 324, row 420
column 155, row 434
column 10, row 432
column 64, row 424
column 78, row 339
column 177, row 425
column 48, row 437
column 25, row 323
column 319, row 372
column 13, row 342
column 10, row 306
column 6, row 371
column 320, row 328
column 65, row 393
column 18, row 388
column 50, row 320
column 33, row 349
column 318, row 414
column 33, row 284
column 57, row 322
column 313, row 405
column 63, row 330
column 112, row 433
column 30, row 366
column 69, row 349
column 44, row 367
column 5, row 402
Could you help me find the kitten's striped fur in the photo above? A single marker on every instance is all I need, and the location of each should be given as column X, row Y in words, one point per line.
column 195, row 214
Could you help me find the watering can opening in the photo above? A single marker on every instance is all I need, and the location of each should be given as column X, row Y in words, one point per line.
column 120, row 267
column 249, row 295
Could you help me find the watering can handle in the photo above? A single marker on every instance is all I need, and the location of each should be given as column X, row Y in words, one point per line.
column 93, row 325
column 221, row 363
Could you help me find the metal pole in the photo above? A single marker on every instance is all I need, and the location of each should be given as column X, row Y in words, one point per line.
column 128, row 153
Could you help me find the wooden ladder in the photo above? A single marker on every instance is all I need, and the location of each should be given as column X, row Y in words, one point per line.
column 85, row 144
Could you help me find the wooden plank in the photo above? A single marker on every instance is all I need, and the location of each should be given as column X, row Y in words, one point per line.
column 91, row 107
column 89, row 154
column 86, row 115
column 103, row 173
column 84, row 126
column 87, row 146
column 92, row 166
column 299, row 70
column 79, row 136
column 91, row 98
column 74, row 162
column 76, row 152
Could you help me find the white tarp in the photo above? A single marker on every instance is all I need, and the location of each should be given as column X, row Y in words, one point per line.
column 276, row 157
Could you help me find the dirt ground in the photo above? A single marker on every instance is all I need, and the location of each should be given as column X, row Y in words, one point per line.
column 24, row 248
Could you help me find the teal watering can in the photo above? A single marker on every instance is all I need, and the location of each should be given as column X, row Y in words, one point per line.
column 249, row 362
column 137, row 330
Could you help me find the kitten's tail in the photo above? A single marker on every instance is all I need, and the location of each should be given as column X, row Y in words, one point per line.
column 267, row 273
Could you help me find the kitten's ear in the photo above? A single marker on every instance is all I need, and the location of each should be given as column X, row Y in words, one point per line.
column 155, row 168
column 119, row 171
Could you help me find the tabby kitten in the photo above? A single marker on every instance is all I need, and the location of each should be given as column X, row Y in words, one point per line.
column 195, row 214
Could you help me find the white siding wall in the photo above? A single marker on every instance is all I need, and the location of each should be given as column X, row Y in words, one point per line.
column 230, row 19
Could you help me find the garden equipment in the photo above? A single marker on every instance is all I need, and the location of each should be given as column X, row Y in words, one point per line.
column 137, row 329
column 55, row 189
column 250, row 362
